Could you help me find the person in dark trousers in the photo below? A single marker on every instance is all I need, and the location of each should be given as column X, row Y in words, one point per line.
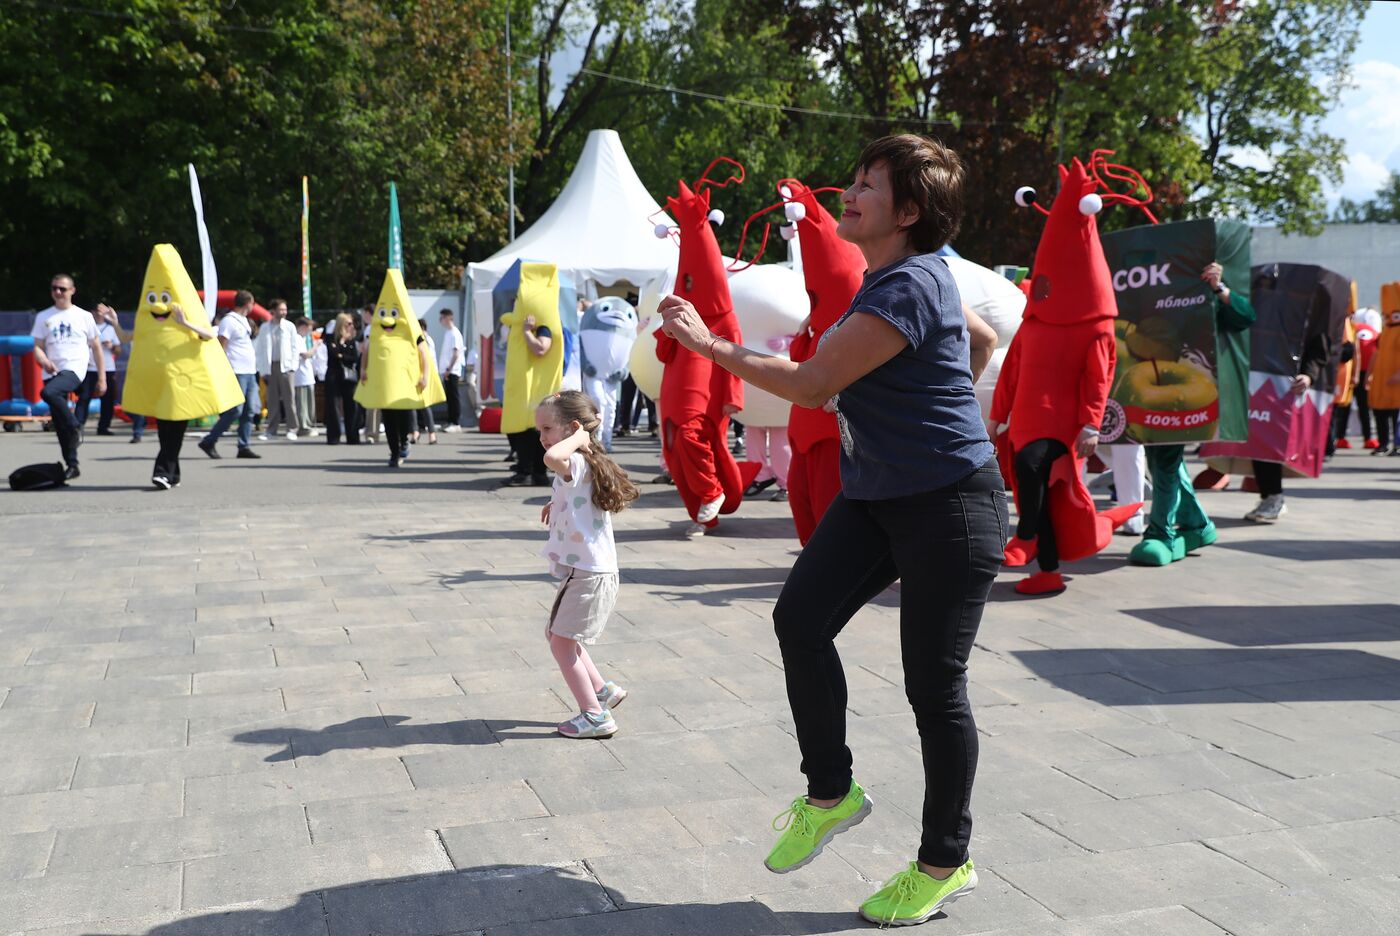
column 65, row 341
column 529, row 453
column 451, row 358
column 112, row 336
column 1317, row 352
column 171, row 432
column 922, row 501
column 342, row 374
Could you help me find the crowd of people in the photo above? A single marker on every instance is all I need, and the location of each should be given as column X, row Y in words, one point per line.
column 279, row 365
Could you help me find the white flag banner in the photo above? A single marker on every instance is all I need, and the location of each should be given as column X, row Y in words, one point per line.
column 211, row 275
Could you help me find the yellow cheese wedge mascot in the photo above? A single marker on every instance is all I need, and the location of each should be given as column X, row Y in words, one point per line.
column 396, row 376
column 177, row 372
column 534, row 366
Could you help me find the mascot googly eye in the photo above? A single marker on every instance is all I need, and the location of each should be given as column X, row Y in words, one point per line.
column 662, row 231
column 1090, row 204
column 715, row 217
column 1025, row 196
column 788, row 231
column 795, row 211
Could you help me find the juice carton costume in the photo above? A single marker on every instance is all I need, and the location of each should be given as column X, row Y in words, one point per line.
column 1300, row 317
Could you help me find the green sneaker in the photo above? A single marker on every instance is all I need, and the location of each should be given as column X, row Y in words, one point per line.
column 1155, row 552
column 1199, row 539
column 807, row 829
column 911, row 896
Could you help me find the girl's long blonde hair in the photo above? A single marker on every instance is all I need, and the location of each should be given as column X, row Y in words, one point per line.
column 613, row 490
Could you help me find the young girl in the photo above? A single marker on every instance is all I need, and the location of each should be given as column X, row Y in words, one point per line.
column 589, row 488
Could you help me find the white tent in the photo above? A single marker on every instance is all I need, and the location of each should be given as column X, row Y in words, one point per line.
column 599, row 231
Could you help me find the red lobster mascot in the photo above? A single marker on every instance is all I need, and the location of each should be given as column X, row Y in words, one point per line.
column 1055, row 382
column 697, row 397
column 833, row 270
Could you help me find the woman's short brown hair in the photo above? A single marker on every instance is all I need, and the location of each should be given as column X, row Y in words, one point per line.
column 926, row 174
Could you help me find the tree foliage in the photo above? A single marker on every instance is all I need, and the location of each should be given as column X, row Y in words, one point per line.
column 1218, row 102
column 97, row 130
column 1382, row 208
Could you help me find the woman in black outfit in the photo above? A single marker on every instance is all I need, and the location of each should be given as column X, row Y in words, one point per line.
column 342, row 374
column 922, row 500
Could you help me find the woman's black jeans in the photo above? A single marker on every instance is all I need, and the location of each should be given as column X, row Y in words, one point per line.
column 946, row 548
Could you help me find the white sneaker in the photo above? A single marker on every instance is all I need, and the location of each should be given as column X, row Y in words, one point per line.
column 695, row 531
column 451, row 428
column 1133, row 526
column 710, row 511
column 314, row 433
column 585, row 725
column 292, row 434
column 1268, row 510
column 262, row 436
column 611, row 695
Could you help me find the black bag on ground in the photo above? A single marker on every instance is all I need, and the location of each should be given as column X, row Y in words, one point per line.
column 37, row 477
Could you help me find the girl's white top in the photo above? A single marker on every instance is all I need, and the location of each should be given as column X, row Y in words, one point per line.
column 580, row 535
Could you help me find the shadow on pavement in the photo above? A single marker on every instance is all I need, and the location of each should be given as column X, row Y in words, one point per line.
column 1311, row 550
column 1130, row 676
column 371, row 733
column 521, row 900
column 1264, row 625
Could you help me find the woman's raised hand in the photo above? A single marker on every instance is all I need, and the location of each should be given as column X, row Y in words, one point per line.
column 680, row 320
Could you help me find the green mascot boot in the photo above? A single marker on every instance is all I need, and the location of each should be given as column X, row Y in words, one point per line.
column 1196, row 539
column 1156, row 552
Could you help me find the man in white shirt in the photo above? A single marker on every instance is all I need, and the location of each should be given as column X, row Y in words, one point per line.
column 65, row 340
column 236, row 335
column 278, row 356
column 450, row 364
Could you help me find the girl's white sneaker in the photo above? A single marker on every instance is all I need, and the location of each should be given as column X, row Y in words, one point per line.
column 611, row 695
column 588, row 725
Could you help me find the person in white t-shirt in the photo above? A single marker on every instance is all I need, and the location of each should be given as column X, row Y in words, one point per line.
column 112, row 336
column 236, row 335
column 278, row 356
column 65, row 340
column 589, row 487
column 450, row 361
column 82, row 409
column 304, row 380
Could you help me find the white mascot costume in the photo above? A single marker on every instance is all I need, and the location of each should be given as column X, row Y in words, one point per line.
column 605, row 338
column 998, row 302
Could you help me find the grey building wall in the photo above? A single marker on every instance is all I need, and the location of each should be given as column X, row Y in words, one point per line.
column 1367, row 253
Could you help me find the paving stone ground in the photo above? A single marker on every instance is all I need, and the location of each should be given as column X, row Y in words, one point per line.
column 310, row 696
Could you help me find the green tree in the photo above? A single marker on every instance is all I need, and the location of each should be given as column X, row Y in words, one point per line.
column 95, row 134
column 1220, row 104
column 1383, row 207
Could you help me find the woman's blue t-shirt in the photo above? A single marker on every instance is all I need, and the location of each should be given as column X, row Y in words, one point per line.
column 912, row 424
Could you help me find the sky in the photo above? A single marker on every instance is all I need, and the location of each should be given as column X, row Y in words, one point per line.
column 1367, row 118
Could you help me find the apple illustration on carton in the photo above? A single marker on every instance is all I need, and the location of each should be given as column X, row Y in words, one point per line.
column 1163, row 399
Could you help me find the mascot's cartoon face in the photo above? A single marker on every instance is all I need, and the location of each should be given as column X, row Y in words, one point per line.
column 155, row 303
column 166, row 285
column 387, row 318
column 611, row 315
